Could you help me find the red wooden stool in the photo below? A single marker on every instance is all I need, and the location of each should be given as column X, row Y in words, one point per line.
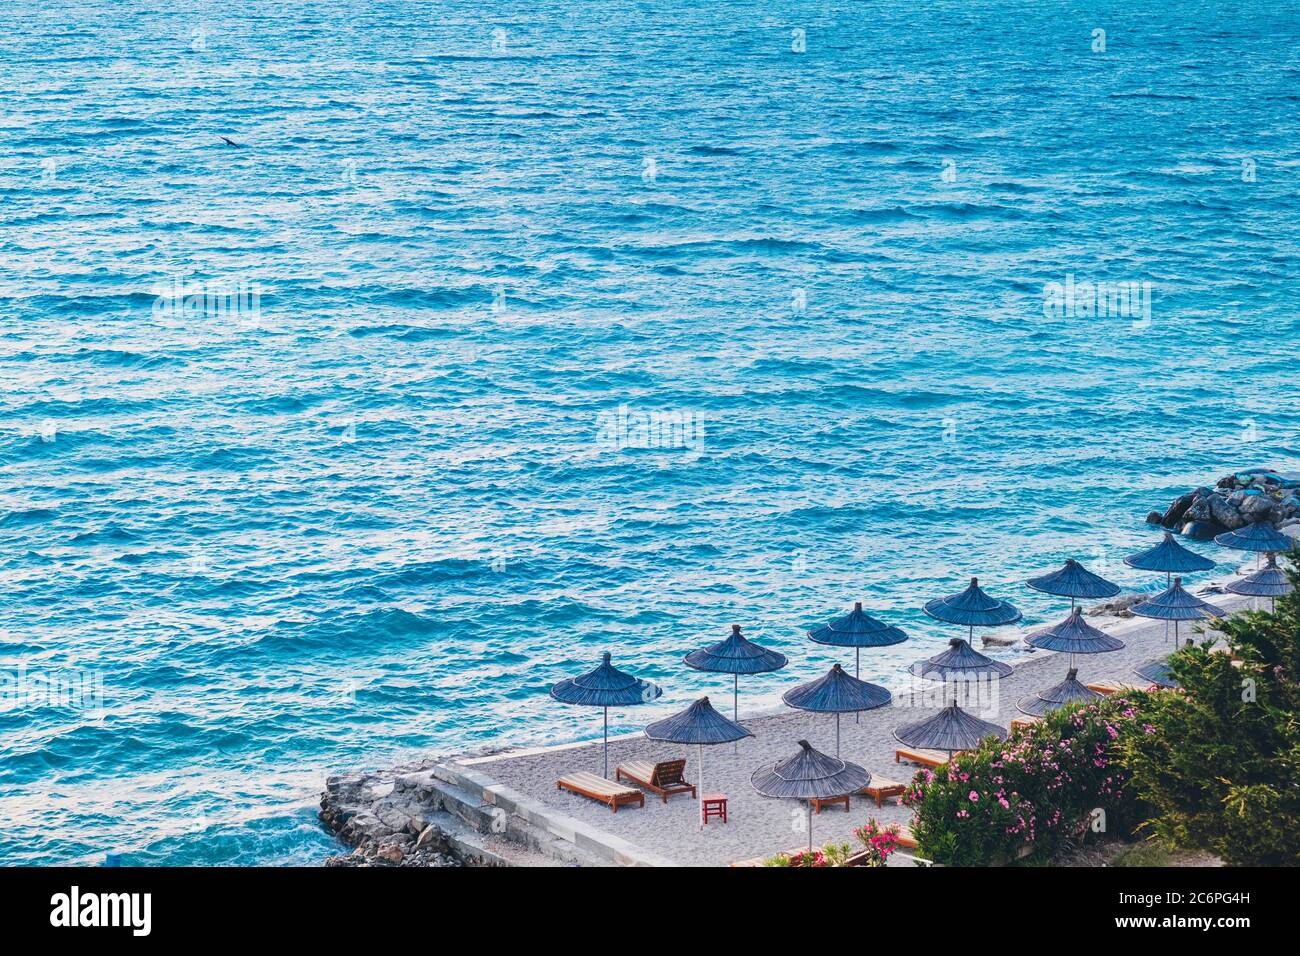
column 715, row 805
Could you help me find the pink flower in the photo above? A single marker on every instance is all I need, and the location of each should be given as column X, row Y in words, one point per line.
column 974, row 797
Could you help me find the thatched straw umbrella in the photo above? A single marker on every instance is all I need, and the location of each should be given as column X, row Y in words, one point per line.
column 605, row 687
column 810, row 775
column 837, row 693
column 1176, row 604
column 735, row 656
column 1269, row 581
column 857, row 630
column 701, row 725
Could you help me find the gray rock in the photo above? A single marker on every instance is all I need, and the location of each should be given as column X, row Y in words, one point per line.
column 1256, row 506
column 1202, row 530
column 364, row 821
column 1224, row 513
column 1173, row 517
column 1000, row 639
column 428, row 837
column 1116, row 607
column 392, row 817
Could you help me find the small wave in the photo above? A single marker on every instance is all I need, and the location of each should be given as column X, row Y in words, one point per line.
column 109, row 535
column 1148, row 95
column 27, row 517
column 879, row 215
column 713, row 151
column 122, row 358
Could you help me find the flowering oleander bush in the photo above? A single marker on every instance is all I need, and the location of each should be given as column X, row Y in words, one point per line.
column 878, row 842
column 1220, row 769
column 1041, row 790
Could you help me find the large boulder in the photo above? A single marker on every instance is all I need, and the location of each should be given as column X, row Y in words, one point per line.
column 390, row 853
column 1199, row 510
column 1174, row 516
column 1202, row 530
column 1224, row 513
column 1116, row 606
column 1256, row 506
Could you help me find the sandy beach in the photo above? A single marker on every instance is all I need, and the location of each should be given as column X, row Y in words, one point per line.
column 759, row 826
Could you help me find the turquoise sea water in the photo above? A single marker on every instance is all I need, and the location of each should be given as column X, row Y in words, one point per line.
column 375, row 511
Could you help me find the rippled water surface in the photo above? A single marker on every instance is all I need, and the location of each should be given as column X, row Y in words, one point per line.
column 374, row 518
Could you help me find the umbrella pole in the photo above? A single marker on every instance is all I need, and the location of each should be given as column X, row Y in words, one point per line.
column 837, row 735
column 1169, row 580
column 1071, row 615
column 857, row 672
column 809, row 826
column 606, row 709
column 701, row 751
column 735, row 707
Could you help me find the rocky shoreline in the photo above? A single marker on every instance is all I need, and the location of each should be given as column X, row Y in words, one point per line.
column 413, row 816
column 1236, row 500
column 385, row 824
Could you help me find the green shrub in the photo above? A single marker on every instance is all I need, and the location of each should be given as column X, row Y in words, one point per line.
column 1221, row 766
column 877, row 842
column 1036, row 793
column 832, row 854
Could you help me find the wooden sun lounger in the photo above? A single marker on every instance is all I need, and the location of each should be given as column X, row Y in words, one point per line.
column 927, row 758
column 663, row 778
column 598, row 788
column 1018, row 723
column 1108, row 687
column 882, row 787
column 830, row 802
